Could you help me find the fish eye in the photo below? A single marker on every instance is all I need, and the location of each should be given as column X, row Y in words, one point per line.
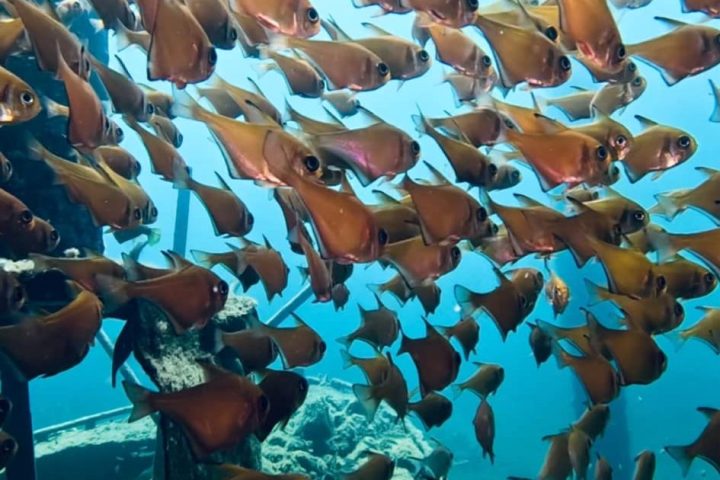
column 621, row 52
column 223, row 288
column 137, row 168
column 303, row 385
column 678, row 309
column 263, row 405
column 481, row 214
column 492, row 170
column 179, row 140
column 660, row 282
column 137, row 214
column 311, row 163
column 486, row 61
column 27, row 98
column 515, row 176
column 615, row 171
column 18, row 294
column 54, row 236
column 119, row 134
column 523, row 301
column 709, row 278
column 717, row 39
column 508, row 123
column 312, row 15
column 601, row 153
column 153, row 212
column 424, row 56
column 565, row 63
column 87, row 66
column 382, row 69
column 456, row 254
column 415, row 148
column 26, row 217
column 472, row 4
column 212, row 56
column 5, row 405
column 684, row 142
column 8, row 445
column 321, row 84
column 551, row 33
column 639, row 216
column 621, row 140
column 637, row 81
column 383, row 237
column 322, row 347
column 250, row 219
column 632, row 68
column 149, row 109
column 233, row 35
column 494, row 229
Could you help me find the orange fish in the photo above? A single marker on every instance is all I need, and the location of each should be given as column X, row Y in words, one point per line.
column 601, row 381
column 216, row 415
column 298, row 19
column 392, row 390
column 299, row 346
column 120, row 160
column 286, row 392
column 19, row 103
column 704, row 446
column 379, row 328
column 165, row 160
column 81, row 270
column 467, row 332
column 254, row 350
column 388, row 6
column 317, row 270
column 484, row 426
column 127, row 98
column 112, row 12
column 419, row 263
column 540, row 344
column 215, row 18
column 433, row 410
column 300, row 75
column 708, row 7
column 166, row 129
column 452, row 13
column 479, row 127
column 484, row 382
column 375, row 369
column 232, row 101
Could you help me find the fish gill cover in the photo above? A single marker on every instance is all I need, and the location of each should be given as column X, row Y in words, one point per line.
column 520, row 197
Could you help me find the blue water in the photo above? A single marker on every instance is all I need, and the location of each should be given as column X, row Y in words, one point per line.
column 532, row 402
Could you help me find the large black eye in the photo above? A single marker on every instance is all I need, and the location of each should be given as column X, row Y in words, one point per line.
column 250, row 219
column 481, row 214
column 223, row 288
column 492, row 170
column 639, row 216
column 515, row 176
column 263, row 405
column 27, row 98
column 233, row 34
column 179, row 140
column 212, row 56
column 551, row 33
column 717, row 39
column 621, row 52
column 615, row 171
column 660, row 282
column 322, row 347
column 617, row 230
column 637, row 81
column 383, row 237
column 149, row 109
column 486, row 61
column 415, row 148
column 311, row 163
column 26, row 216
column 455, row 253
column 565, row 63
column 321, row 84
column 679, row 310
column 312, row 15
column 601, row 153
column 632, row 68
column 8, row 445
column 709, row 278
column 472, row 4
column 119, row 134
column 137, row 214
column 54, row 236
column 684, row 142
column 382, row 69
column 523, row 301
column 302, row 386
column 494, row 229
column 423, row 56
column 620, row 140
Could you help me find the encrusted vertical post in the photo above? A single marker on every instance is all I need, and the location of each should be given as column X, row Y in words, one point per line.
column 19, row 425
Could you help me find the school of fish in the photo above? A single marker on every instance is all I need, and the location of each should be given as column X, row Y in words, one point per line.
column 421, row 225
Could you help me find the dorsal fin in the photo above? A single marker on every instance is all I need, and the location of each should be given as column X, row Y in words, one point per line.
column 671, row 22
column 300, row 322
column 375, row 29
column 345, row 185
column 334, row 30
column 384, row 198
column 334, row 117
column 176, row 260
column 258, row 90
column 597, row 114
column 376, row 118
column 223, row 183
column 707, row 171
column 555, row 123
column 123, row 67
column 437, row 176
column 267, row 243
column 579, row 89
column 646, row 122
column 526, row 201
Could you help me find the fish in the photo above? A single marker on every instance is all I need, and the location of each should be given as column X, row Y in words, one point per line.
column 13, row 298
column 376, row 151
column 579, row 444
column 467, row 333
column 300, row 19
column 603, row 470
column 419, row 263
column 540, row 344
column 217, row 22
column 433, row 410
column 126, row 38
column 556, row 291
column 484, row 426
column 41, row 237
column 429, row 296
column 700, row 198
column 120, row 160
column 81, row 270
column 126, row 96
column 51, row 40
column 699, row 243
column 392, row 390
column 113, row 12
column 375, row 368
column 387, row 6
column 468, row 89
column 454, row 48
column 263, row 153
column 230, row 216
column 630, row 4
column 640, row 361
column 593, row 421
column 685, row 279
column 654, row 316
column 8, row 449
column 397, row 286
column 301, row 77
column 345, row 102
column 483, row 126
column 286, row 392
column 242, row 473
column 88, row 126
column 193, row 312
column 254, row 350
column 165, row 160
column 644, row 466
column 344, row 64
column 317, row 270
column 376, row 467
column 657, row 149
column 499, row 247
column 216, row 415
column 600, row 380
column 484, row 382
column 232, row 101
column 703, row 446
column 46, row 345
column 20, row 103
column 578, row 336
column 592, row 28
column 436, row 360
column 405, row 59
column 706, row 330
column 166, row 129
column 508, row 304
column 447, row 214
column 708, row 7
column 687, row 50
column 398, row 218
column 435, row 465
column 575, row 106
column 452, row 13
column 615, row 97
column 180, row 51
column 628, row 214
column 379, row 327
column 299, row 346
column 542, row 65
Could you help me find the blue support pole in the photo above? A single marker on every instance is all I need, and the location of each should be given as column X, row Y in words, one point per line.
column 182, row 214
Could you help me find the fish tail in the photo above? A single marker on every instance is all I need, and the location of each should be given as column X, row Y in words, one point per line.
column 463, row 297
column 345, row 341
column 139, row 396
column 132, row 267
column 559, row 354
column 668, row 205
column 346, row 358
column 204, row 259
column 663, row 243
column 364, row 394
column 181, row 175
column 154, row 235
column 682, row 456
column 264, row 67
column 715, row 117
column 184, row 105
column 53, row 108
column 122, row 37
column 540, row 103
column 422, row 125
column 676, row 338
column 457, row 390
column 595, row 292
